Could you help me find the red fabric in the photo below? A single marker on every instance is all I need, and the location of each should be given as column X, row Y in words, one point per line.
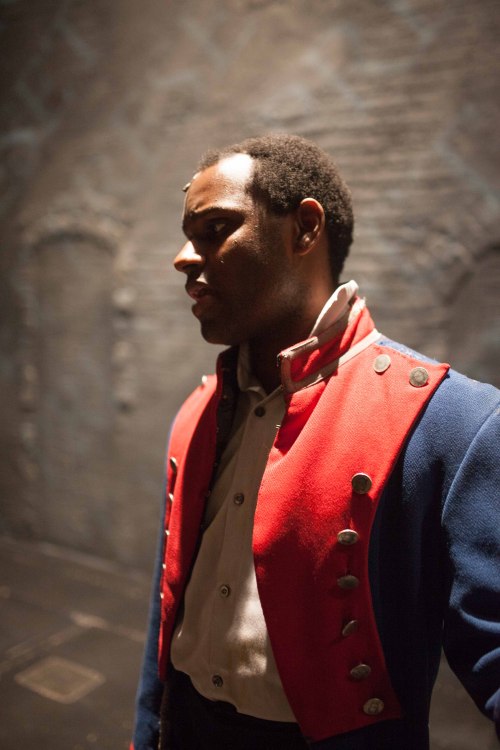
column 306, row 362
column 192, row 445
column 354, row 421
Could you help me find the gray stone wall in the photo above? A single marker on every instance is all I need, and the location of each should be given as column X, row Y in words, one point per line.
column 107, row 106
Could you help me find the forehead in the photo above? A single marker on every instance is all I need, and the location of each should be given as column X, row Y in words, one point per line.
column 223, row 184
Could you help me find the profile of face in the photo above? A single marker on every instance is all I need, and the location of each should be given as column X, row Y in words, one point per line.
column 239, row 260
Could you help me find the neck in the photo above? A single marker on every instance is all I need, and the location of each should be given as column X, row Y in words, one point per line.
column 264, row 354
column 265, row 368
column 295, row 326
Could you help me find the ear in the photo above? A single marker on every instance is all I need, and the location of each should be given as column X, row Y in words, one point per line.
column 310, row 225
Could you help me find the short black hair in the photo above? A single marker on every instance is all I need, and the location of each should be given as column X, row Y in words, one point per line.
column 288, row 169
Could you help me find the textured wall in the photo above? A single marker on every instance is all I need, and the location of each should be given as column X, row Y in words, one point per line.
column 107, row 106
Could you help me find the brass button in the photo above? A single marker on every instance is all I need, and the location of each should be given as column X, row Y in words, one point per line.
column 373, row 706
column 173, row 464
column 419, row 377
column 382, row 363
column 217, row 680
column 360, row 671
column 347, row 537
column 361, row 483
column 224, row 590
column 238, row 498
column 350, row 627
column 348, row 582
column 259, row 411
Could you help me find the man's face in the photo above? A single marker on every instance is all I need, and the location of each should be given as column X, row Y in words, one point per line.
column 238, row 258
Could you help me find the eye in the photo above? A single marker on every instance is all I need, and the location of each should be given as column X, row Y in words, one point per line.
column 218, row 226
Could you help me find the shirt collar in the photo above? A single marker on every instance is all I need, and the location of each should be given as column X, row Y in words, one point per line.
column 333, row 310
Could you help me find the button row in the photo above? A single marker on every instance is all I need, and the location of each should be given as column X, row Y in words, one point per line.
column 418, row 377
column 373, row 706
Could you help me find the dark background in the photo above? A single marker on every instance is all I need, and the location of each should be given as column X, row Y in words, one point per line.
column 106, row 107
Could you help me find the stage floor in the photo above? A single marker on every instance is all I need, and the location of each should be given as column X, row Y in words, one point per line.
column 71, row 640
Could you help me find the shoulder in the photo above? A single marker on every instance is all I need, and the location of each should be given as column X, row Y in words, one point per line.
column 459, row 401
column 460, row 425
column 462, row 418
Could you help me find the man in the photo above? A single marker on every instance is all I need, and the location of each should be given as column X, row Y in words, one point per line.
column 330, row 518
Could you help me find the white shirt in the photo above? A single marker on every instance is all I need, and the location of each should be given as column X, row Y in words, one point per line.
column 221, row 639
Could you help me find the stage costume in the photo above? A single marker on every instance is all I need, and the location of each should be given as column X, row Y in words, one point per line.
column 376, row 522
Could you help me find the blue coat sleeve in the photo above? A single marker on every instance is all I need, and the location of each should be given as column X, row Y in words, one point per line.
column 471, row 526
column 150, row 689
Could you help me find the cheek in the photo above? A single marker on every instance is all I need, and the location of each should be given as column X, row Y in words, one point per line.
column 241, row 264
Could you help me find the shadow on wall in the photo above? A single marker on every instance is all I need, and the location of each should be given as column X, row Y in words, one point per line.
column 69, row 393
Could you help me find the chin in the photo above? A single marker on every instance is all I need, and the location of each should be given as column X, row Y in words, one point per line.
column 221, row 335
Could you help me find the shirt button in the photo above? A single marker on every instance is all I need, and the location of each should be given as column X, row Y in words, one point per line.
column 373, row 707
column 217, row 680
column 259, row 411
column 167, row 532
column 171, row 497
column 224, row 590
column 348, row 582
column 173, row 464
column 238, row 498
column 350, row 628
column 360, row 671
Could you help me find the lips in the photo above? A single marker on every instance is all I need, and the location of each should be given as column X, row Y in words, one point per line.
column 203, row 296
column 198, row 289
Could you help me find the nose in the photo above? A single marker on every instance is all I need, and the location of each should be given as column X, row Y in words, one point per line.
column 188, row 258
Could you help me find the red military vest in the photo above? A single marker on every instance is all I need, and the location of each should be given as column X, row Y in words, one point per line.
column 351, row 403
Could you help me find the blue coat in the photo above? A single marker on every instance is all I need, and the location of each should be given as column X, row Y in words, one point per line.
column 434, row 570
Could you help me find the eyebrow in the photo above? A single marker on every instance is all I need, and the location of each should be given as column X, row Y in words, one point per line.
column 195, row 214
